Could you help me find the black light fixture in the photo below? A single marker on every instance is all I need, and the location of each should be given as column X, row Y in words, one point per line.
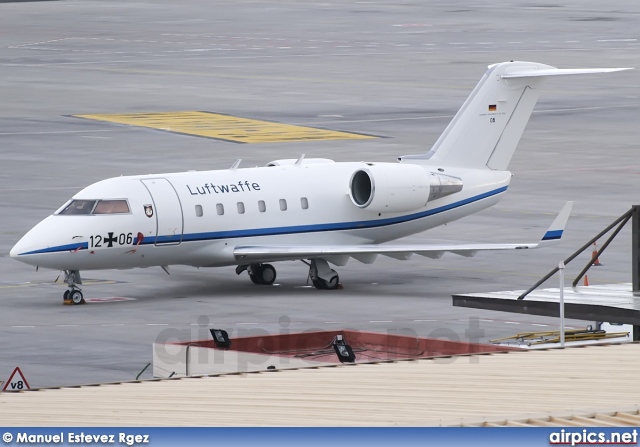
column 220, row 338
column 343, row 350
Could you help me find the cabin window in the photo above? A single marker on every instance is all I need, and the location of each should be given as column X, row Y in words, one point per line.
column 240, row 207
column 262, row 207
column 304, row 203
column 199, row 212
column 79, row 207
column 220, row 209
column 283, row 205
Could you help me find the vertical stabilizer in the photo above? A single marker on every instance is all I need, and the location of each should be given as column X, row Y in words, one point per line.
column 486, row 130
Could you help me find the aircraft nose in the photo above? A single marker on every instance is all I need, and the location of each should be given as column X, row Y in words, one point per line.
column 37, row 238
column 19, row 249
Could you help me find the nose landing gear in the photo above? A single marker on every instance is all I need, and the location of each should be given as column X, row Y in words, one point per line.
column 73, row 295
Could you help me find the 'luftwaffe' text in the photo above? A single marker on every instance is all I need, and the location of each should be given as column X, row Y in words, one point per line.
column 210, row 188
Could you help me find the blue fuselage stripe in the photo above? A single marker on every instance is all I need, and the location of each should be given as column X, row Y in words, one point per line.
column 298, row 229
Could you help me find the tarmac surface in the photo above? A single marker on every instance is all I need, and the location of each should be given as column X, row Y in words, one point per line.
column 395, row 70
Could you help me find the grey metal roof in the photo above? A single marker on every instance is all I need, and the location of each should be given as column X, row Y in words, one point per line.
column 519, row 386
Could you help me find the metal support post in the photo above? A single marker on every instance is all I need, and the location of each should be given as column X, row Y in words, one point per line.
column 573, row 256
column 635, row 249
column 561, row 268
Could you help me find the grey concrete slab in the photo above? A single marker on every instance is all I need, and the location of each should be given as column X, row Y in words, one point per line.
column 395, row 69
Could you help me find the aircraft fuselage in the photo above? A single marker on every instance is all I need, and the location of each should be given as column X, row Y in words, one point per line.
column 196, row 218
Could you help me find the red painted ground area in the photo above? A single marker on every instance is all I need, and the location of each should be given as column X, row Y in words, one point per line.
column 367, row 346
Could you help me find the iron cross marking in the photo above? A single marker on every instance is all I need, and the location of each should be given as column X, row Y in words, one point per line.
column 110, row 240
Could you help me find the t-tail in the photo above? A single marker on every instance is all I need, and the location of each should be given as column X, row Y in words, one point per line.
column 486, row 130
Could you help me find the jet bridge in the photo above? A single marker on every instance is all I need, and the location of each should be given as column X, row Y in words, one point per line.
column 617, row 303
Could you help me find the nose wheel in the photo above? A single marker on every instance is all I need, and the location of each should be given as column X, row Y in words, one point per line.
column 73, row 295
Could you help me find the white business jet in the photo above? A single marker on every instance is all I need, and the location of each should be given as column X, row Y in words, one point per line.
column 314, row 210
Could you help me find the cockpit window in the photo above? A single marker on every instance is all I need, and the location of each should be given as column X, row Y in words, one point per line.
column 79, row 207
column 111, row 207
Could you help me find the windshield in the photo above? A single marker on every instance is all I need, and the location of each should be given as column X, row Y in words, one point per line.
column 111, row 207
column 79, row 207
column 76, row 207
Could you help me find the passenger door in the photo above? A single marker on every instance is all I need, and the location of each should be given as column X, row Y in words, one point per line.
column 167, row 210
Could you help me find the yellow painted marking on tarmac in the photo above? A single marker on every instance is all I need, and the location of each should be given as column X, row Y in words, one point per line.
column 225, row 127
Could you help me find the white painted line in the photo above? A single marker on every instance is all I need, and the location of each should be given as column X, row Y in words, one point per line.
column 247, row 323
column 569, row 327
column 21, row 326
column 538, row 324
column 56, row 132
column 422, row 321
column 331, row 322
column 114, row 324
column 156, row 324
column 380, row 321
column 487, row 321
column 618, row 40
column 66, row 325
column 511, row 322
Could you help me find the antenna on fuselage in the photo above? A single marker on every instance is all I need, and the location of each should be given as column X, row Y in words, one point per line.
column 299, row 160
column 235, row 164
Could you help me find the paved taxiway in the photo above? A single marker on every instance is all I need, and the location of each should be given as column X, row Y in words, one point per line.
column 379, row 68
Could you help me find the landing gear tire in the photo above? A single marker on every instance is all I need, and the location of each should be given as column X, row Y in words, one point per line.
column 72, row 295
column 253, row 276
column 322, row 284
column 262, row 274
column 267, row 274
column 76, row 297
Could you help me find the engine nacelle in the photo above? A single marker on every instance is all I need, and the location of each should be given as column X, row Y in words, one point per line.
column 304, row 161
column 397, row 188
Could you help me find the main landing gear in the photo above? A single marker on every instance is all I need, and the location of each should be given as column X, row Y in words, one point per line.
column 322, row 276
column 262, row 274
column 73, row 295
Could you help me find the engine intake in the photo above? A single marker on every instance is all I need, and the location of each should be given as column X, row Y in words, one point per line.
column 397, row 188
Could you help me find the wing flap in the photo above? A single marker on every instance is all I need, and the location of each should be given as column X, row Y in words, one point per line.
column 340, row 254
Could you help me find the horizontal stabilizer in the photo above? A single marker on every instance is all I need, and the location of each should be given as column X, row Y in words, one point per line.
column 559, row 72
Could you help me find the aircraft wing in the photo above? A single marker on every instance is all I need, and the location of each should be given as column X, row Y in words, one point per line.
column 340, row 254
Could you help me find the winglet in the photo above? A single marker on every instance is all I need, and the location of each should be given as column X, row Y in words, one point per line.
column 554, row 233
